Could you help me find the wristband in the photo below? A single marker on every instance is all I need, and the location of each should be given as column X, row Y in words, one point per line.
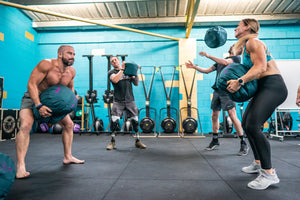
column 122, row 70
column 38, row 107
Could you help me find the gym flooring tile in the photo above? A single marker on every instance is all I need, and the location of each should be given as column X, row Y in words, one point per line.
column 169, row 169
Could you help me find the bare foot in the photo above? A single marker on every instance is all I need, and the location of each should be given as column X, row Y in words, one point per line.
column 22, row 173
column 72, row 160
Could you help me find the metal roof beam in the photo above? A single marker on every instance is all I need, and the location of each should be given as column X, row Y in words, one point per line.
column 191, row 17
column 49, row 2
column 85, row 20
column 179, row 21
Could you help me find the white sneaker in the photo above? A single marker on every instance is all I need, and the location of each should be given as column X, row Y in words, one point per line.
column 253, row 168
column 264, row 180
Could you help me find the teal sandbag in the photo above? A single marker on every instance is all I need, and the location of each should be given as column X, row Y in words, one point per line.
column 7, row 174
column 131, row 68
column 215, row 37
column 233, row 72
column 60, row 99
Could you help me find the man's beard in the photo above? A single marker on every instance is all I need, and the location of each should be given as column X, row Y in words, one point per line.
column 67, row 62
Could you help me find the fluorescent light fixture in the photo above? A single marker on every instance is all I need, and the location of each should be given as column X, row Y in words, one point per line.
column 98, row 52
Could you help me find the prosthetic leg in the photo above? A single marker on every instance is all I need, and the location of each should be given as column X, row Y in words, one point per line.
column 134, row 122
column 115, row 127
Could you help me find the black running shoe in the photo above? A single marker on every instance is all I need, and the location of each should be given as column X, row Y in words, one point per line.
column 213, row 144
column 243, row 150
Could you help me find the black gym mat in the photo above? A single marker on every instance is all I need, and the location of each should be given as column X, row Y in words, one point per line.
column 170, row 168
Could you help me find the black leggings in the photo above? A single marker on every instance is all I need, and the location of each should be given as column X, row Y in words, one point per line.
column 271, row 92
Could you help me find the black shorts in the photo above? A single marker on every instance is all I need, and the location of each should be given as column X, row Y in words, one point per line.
column 130, row 108
column 221, row 100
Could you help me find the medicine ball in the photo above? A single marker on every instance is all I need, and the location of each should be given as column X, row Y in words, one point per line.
column 215, row 37
column 60, row 99
column 131, row 68
column 189, row 125
column 232, row 72
column 76, row 128
column 147, row 125
column 57, row 129
column 78, row 114
column 168, row 124
column 44, row 127
column 7, row 174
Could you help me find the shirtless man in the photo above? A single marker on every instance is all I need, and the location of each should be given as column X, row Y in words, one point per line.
column 47, row 73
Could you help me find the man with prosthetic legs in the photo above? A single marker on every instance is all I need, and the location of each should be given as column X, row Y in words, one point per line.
column 123, row 101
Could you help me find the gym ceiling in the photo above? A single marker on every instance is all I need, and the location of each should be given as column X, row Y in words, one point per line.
column 158, row 13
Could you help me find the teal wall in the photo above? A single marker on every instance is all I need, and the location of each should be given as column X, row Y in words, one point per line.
column 147, row 51
column 20, row 55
